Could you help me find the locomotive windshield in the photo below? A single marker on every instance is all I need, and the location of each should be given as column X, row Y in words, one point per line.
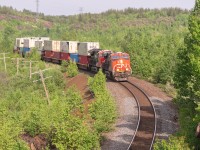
column 115, row 57
column 125, row 56
column 120, row 57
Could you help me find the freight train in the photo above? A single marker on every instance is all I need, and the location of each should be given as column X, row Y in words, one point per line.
column 89, row 56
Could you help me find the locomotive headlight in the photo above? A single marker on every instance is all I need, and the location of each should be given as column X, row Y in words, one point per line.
column 117, row 69
column 121, row 61
column 127, row 69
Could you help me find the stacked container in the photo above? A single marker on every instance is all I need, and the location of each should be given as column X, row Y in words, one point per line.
column 84, row 47
column 69, row 46
column 39, row 45
column 52, row 49
column 50, row 45
column 69, row 50
column 83, row 51
column 19, row 42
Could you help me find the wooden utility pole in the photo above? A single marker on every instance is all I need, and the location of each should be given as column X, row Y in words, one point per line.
column 43, row 83
column 4, row 60
column 17, row 65
column 30, row 67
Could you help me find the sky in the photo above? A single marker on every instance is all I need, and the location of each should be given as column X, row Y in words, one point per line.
column 71, row 7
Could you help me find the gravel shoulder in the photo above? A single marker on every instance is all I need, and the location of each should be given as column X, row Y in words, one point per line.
column 126, row 123
column 166, row 111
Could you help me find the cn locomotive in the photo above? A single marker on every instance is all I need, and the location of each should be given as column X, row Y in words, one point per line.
column 116, row 65
column 87, row 55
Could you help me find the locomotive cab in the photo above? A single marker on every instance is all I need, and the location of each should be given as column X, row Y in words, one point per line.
column 117, row 66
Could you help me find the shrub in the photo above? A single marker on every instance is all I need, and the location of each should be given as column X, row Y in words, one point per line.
column 74, row 134
column 103, row 110
column 64, row 66
column 174, row 143
column 72, row 69
column 9, row 132
column 98, row 83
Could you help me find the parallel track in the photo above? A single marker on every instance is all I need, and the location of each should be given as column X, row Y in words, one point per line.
column 146, row 128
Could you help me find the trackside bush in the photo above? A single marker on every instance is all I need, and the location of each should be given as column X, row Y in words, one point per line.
column 24, row 110
column 73, row 99
column 98, row 83
column 72, row 69
column 103, row 110
column 74, row 134
column 174, row 143
column 64, row 66
column 9, row 133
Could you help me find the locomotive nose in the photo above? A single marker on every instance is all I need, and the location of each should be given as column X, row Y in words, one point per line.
column 120, row 61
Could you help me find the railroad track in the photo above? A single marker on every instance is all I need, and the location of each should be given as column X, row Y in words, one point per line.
column 146, row 128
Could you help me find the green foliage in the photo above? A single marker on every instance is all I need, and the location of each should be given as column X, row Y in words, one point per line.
column 9, row 133
column 187, row 80
column 173, row 143
column 188, row 68
column 7, row 41
column 103, row 110
column 34, row 54
column 74, row 134
column 72, row 69
column 98, row 83
column 64, row 66
column 73, row 98
column 24, row 110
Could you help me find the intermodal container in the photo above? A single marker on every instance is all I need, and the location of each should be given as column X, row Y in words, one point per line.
column 30, row 42
column 84, row 47
column 47, row 45
column 19, row 42
column 69, row 46
column 74, row 58
column 56, row 46
column 64, row 56
column 83, row 60
column 39, row 44
column 51, row 45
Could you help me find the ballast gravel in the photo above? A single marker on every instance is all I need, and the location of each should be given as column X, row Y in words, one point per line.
column 123, row 130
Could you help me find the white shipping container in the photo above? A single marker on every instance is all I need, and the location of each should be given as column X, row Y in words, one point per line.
column 69, row 46
column 56, row 46
column 26, row 42
column 84, row 47
column 30, row 42
column 19, row 42
column 39, row 44
column 48, row 45
column 51, row 45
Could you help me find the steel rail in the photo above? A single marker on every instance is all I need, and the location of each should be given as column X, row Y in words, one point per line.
column 139, row 107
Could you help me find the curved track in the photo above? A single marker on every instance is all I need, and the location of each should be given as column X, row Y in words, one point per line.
column 145, row 132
